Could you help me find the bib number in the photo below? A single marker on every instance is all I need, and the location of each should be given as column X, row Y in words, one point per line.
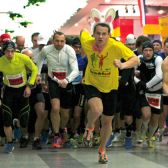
column 15, row 80
column 154, row 100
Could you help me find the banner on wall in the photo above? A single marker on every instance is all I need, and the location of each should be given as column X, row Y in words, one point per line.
column 116, row 26
column 152, row 25
column 142, row 10
column 163, row 22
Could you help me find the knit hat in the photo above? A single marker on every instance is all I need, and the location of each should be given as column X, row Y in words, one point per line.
column 8, row 45
column 157, row 41
column 76, row 41
column 147, row 44
column 4, row 37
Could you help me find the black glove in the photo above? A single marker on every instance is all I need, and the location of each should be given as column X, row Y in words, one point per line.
column 141, row 86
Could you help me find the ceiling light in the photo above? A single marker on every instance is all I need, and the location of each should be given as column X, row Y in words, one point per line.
column 107, row 1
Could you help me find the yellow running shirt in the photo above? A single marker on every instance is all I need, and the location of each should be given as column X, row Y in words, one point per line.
column 101, row 72
column 14, row 70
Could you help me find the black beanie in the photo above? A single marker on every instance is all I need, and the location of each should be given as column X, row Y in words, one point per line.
column 76, row 41
column 8, row 44
column 147, row 44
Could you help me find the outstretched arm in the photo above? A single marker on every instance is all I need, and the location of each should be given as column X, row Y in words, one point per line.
column 165, row 75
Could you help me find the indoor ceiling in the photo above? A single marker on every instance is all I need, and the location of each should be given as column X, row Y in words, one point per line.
column 153, row 7
column 135, row 2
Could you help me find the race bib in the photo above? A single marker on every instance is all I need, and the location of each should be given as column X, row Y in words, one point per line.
column 15, row 80
column 154, row 100
column 59, row 73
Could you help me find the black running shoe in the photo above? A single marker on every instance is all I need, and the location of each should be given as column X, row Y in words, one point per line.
column 24, row 142
column 36, row 144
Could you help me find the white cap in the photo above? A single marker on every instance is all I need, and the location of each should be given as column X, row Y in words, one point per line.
column 130, row 39
column 42, row 40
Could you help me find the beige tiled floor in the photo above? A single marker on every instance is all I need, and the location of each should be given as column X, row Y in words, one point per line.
column 138, row 157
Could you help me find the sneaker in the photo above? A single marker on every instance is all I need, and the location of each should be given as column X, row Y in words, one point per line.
column 138, row 138
column 36, row 144
column 8, row 148
column 103, row 159
column 88, row 138
column 151, row 143
column 65, row 136
column 109, row 142
column 116, row 137
column 72, row 143
column 44, row 137
column 96, row 140
column 57, row 142
column 128, row 143
column 24, row 142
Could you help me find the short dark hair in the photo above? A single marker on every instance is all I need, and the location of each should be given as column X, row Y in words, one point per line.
column 103, row 25
column 141, row 39
column 8, row 44
column 157, row 41
column 57, row 33
column 34, row 34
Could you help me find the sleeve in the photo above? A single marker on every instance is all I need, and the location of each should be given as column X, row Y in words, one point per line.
column 85, row 36
column 125, row 52
column 41, row 58
column 73, row 65
column 158, row 73
column 34, row 71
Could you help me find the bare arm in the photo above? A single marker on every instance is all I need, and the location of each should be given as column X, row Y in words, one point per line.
column 165, row 75
column 130, row 63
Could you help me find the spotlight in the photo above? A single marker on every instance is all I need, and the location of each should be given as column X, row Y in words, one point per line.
column 126, row 9
column 133, row 8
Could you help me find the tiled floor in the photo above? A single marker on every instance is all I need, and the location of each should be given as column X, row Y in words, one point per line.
column 85, row 158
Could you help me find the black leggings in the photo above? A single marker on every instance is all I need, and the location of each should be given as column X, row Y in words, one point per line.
column 15, row 105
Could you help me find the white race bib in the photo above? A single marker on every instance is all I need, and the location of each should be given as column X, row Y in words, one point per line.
column 59, row 73
column 154, row 100
column 15, row 80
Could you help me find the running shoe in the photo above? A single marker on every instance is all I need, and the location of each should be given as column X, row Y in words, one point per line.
column 88, row 138
column 128, row 143
column 44, row 137
column 151, row 143
column 103, row 159
column 8, row 148
column 24, row 142
column 57, row 142
column 109, row 142
column 36, row 144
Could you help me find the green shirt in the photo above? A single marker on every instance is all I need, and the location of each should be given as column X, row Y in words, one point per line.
column 15, row 70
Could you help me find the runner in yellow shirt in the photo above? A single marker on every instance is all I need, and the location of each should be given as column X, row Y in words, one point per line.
column 16, row 91
column 101, row 79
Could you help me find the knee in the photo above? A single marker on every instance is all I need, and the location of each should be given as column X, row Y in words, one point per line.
column 41, row 114
column 76, row 116
column 55, row 109
column 97, row 110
